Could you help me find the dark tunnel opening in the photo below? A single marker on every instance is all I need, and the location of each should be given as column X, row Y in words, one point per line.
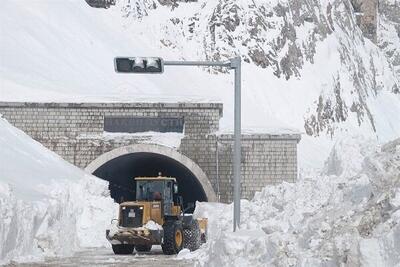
column 121, row 171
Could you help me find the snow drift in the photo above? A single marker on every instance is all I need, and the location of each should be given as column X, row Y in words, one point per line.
column 47, row 206
column 352, row 218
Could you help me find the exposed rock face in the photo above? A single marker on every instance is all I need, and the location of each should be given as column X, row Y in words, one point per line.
column 328, row 112
column 366, row 13
column 266, row 35
column 389, row 33
column 136, row 8
column 284, row 37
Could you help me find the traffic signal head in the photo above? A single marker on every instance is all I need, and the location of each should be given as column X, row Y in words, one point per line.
column 139, row 64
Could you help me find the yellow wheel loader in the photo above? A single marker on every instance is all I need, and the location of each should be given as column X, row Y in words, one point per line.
column 156, row 217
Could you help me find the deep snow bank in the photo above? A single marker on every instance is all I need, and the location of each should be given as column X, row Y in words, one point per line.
column 352, row 218
column 47, row 206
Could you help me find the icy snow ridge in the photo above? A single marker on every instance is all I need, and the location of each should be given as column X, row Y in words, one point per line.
column 352, row 219
column 47, row 206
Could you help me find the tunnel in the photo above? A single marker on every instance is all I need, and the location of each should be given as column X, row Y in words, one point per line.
column 120, row 169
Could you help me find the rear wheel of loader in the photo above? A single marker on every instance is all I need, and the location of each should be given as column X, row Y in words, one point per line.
column 173, row 237
column 192, row 235
column 143, row 248
column 123, row 249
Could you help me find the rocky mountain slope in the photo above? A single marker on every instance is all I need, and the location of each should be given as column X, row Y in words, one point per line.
column 283, row 38
column 389, row 32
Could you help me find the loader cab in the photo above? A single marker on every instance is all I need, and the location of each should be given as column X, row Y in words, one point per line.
column 163, row 189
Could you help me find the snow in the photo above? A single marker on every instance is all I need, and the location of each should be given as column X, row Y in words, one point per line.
column 48, row 207
column 43, row 58
column 63, row 51
column 20, row 158
column 172, row 140
column 152, row 225
column 396, row 200
column 388, row 37
column 114, row 228
column 349, row 218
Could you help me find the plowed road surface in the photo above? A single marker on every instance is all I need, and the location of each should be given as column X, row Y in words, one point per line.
column 105, row 257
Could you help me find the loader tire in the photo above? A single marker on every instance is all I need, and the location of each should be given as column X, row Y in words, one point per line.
column 143, row 248
column 192, row 235
column 123, row 249
column 173, row 237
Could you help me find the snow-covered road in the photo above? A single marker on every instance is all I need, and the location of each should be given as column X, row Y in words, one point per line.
column 105, row 257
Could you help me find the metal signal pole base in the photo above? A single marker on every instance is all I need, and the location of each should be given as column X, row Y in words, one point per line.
column 236, row 65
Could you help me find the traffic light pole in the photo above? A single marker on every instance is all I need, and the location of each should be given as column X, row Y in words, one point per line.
column 235, row 64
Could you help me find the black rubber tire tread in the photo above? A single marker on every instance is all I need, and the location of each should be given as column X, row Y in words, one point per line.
column 169, row 246
column 123, row 249
column 192, row 236
column 143, row 248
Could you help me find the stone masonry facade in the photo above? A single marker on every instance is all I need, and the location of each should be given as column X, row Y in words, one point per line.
column 75, row 132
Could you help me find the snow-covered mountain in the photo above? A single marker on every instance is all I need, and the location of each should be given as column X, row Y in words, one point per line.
column 306, row 64
column 389, row 32
column 316, row 41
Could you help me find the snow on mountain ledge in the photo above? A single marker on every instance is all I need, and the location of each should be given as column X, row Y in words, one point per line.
column 47, row 206
column 314, row 68
column 389, row 32
column 306, row 63
column 352, row 219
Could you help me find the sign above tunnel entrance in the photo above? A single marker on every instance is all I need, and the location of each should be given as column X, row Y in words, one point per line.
column 143, row 124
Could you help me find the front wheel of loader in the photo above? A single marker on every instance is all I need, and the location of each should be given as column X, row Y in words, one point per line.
column 192, row 235
column 123, row 249
column 173, row 237
column 143, row 248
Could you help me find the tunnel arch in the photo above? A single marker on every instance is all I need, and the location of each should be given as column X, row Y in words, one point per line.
column 191, row 177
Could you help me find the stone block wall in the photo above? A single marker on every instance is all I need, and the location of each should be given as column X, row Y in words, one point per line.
column 266, row 159
column 75, row 132
column 74, row 119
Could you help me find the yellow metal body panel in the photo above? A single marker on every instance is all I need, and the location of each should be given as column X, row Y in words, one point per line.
column 155, row 212
column 146, row 211
column 203, row 224
column 176, row 210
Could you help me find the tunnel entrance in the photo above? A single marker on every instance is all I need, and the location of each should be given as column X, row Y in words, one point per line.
column 121, row 170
